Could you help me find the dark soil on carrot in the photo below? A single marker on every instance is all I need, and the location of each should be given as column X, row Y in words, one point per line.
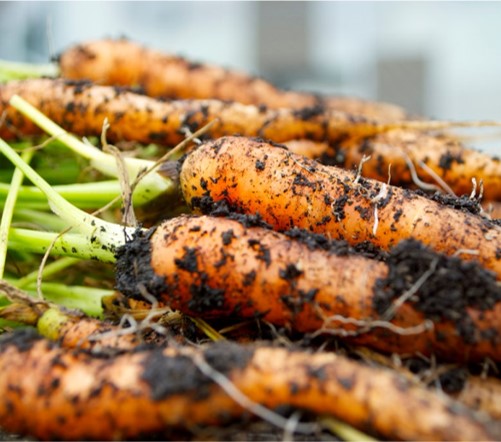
column 463, row 202
column 168, row 376
column 312, row 240
column 136, row 254
column 450, row 289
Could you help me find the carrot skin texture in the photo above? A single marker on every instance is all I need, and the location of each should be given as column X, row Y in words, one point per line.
column 112, row 62
column 158, row 389
column 445, row 155
column 215, row 267
column 288, row 191
column 482, row 394
column 82, row 108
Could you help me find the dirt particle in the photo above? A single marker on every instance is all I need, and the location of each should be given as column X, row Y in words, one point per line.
column 22, row 338
column 463, row 202
column 260, row 165
column 204, row 298
column 249, row 278
column 338, row 207
column 189, row 260
column 227, row 237
column 448, row 159
column 263, row 252
column 290, row 272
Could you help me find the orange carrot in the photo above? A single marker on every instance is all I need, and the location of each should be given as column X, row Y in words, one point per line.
column 79, row 395
column 435, row 158
column 216, row 267
column 82, row 107
column 288, row 191
column 125, row 63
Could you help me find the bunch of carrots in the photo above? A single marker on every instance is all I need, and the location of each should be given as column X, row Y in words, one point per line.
column 281, row 262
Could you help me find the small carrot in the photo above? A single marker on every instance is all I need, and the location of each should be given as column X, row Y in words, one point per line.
column 288, row 190
column 70, row 328
column 125, row 63
column 78, row 395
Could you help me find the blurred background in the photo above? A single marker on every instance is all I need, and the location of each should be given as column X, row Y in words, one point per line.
column 438, row 59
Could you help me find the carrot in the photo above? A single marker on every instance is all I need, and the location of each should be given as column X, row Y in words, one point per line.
column 125, row 63
column 398, row 291
column 448, row 159
column 82, row 107
column 481, row 393
column 288, row 191
column 216, row 267
column 160, row 389
column 70, row 328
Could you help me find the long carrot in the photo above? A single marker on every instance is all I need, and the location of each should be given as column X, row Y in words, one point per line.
column 474, row 304
column 73, row 330
column 216, row 267
column 77, row 395
column 288, row 191
column 122, row 62
column 82, row 108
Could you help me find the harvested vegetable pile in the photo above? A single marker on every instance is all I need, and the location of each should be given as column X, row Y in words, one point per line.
column 235, row 266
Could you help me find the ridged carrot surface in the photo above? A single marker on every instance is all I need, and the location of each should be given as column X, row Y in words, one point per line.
column 327, row 135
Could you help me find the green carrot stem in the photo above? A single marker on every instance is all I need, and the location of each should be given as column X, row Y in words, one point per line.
column 83, row 195
column 86, row 299
column 37, row 219
column 14, row 70
column 8, row 210
column 68, row 244
column 48, row 270
column 150, row 186
column 101, row 234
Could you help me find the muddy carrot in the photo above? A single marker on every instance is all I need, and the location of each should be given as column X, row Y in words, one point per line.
column 435, row 158
column 288, row 191
column 216, row 267
column 122, row 62
column 160, row 389
column 70, row 328
column 81, row 107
